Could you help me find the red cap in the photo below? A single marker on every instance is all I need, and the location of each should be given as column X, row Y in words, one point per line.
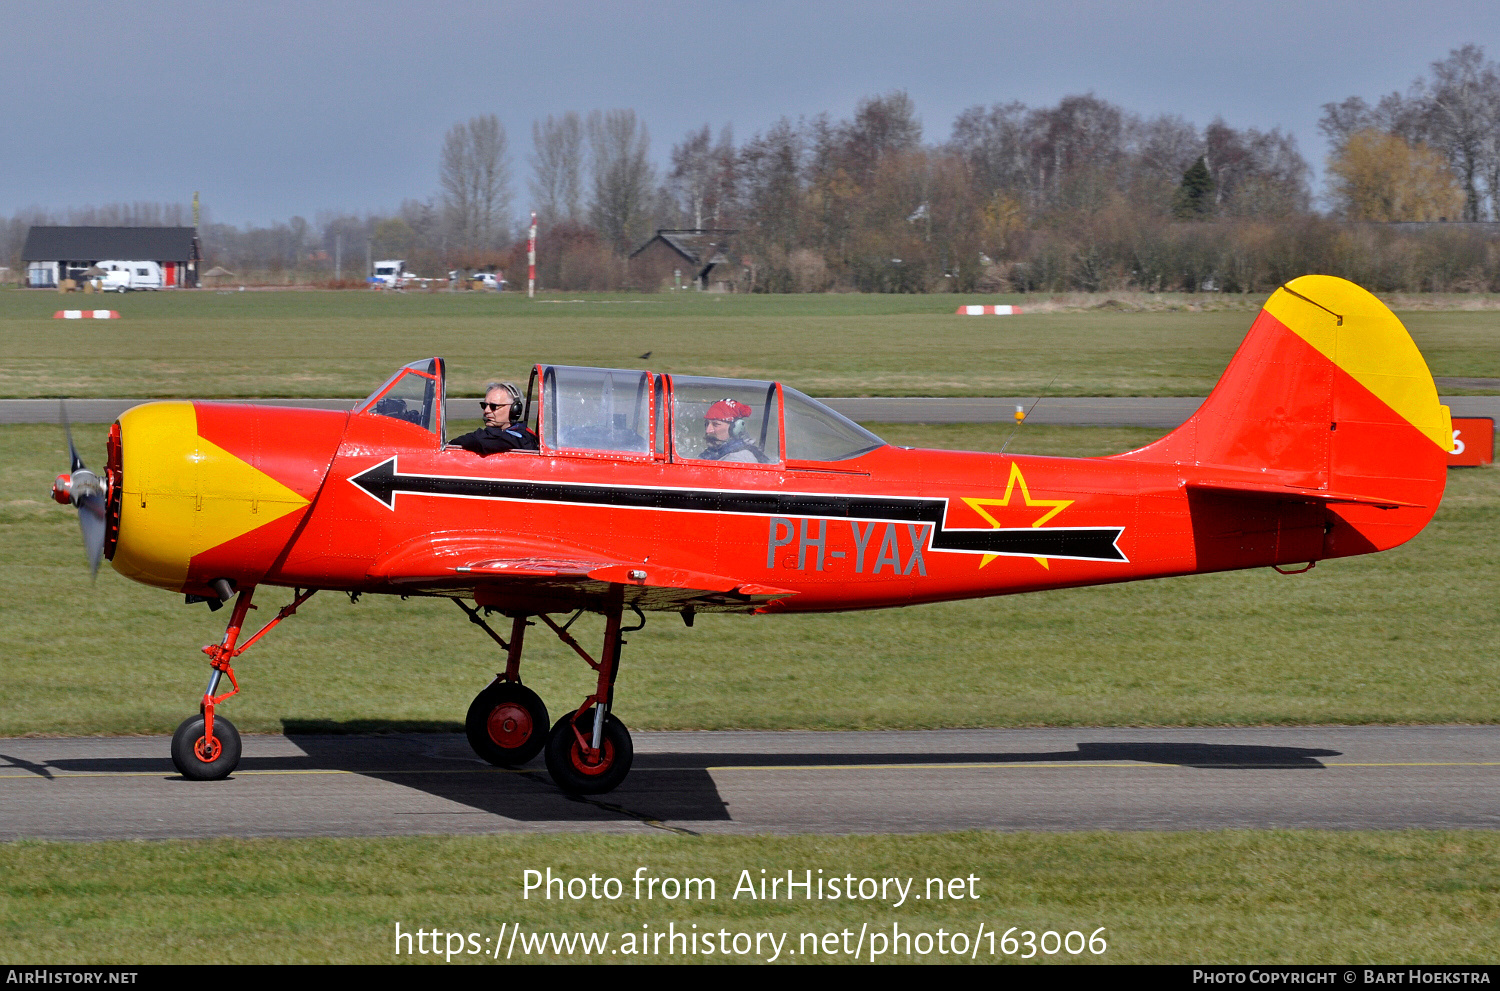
column 727, row 409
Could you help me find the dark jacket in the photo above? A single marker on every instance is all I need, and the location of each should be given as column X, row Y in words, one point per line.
column 736, row 449
column 493, row 440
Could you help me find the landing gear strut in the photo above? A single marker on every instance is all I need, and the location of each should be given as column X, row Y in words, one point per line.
column 206, row 747
column 588, row 751
column 507, row 722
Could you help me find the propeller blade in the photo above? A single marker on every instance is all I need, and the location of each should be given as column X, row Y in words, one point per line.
column 91, row 522
column 86, row 491
column 75, row 462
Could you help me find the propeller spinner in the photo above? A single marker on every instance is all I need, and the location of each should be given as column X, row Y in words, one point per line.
column 86, row 491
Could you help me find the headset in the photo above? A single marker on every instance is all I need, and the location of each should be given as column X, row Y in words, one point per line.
column 517, row 405
column 737, row 428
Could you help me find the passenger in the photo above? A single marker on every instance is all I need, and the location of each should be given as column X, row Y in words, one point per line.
column 503, row 429
column 724, row 428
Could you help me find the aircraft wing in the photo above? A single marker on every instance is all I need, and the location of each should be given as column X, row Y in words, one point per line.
column 487, row 566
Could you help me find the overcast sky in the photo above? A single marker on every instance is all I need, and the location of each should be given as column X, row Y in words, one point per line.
column 275, row 109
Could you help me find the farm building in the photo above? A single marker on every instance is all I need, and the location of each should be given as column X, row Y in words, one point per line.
column 681, row 257
column 54, row 253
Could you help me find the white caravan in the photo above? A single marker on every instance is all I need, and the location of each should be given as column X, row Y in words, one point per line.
column 122, row 275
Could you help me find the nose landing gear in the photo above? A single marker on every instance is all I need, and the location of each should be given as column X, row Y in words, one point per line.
column 206, row 747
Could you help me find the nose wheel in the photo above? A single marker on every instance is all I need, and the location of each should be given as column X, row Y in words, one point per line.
column 507, row 724
column 206, row 747
column 200, row 757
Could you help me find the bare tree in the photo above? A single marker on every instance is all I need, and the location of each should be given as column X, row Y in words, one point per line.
column 624, row 179
column 1256, row 174
column 474, row 173
column 703, row 177
column 993, row 143
column 692, row 172
column 1077, row 148
column 1490, row 150
column 1165, row 147
column 557, row 167
column 883, row 125
column 1393, row 114
column 1457, row 100
column 137, row 214
column 770, row 167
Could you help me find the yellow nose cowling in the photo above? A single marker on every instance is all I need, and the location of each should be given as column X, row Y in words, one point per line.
column 182, row 495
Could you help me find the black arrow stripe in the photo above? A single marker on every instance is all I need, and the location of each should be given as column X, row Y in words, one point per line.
column 383, row 481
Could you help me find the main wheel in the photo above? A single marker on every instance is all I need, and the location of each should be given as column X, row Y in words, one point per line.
column 507, row 724
column 570, row 767
column 199, row 760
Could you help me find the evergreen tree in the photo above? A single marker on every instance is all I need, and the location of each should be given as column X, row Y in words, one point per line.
column 1195, row 197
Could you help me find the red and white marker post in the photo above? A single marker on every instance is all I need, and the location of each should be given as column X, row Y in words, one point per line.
column 86, row 315
column 531, row 259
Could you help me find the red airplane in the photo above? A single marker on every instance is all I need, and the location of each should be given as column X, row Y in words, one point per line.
column 1324, row 438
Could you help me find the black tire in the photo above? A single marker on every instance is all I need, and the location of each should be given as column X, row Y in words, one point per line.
column 507, row 724
column 187, row 755
column 565, row 758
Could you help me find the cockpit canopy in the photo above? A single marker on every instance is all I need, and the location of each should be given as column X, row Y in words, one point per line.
column 617, row 412
column 416, row 394
column 595, row 409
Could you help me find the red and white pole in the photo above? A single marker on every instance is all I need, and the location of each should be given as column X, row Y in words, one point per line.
column 531, row 259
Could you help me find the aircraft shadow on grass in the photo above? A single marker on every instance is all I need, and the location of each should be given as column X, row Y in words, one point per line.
column 676, row 786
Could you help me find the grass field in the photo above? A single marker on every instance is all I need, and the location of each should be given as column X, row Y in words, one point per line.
column 1406, row 636
column 1231, row 897
column 1412, row 635
column 334, row 344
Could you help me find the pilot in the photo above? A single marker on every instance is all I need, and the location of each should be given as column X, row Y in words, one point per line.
column 503, row 429
column 724, row 427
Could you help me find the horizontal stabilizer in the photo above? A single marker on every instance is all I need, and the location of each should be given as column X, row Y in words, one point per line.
column 1292, row 493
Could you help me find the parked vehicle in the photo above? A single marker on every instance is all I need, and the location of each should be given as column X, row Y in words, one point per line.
column 390, row 274
column 120, row 276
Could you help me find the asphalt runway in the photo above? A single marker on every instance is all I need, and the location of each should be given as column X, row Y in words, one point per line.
column 1117, row 411
column 1338, row 777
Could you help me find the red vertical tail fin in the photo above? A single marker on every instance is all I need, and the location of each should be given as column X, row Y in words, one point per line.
column 1327, row 403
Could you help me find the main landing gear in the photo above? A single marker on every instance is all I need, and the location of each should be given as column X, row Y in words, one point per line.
column 588, row 751
column 206, row 747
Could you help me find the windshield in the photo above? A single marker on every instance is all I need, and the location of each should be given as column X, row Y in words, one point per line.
column 413, row 394
column 596, row 409
column 816, row 433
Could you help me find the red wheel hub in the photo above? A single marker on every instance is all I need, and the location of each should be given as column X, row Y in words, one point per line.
column 208, row 750
column 581, row 762
column 509, row 725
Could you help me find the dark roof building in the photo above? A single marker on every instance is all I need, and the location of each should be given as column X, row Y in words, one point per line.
column 679, row 255
column 53, row 253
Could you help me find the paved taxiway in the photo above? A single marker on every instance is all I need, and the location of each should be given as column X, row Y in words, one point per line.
column 1363, row 777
